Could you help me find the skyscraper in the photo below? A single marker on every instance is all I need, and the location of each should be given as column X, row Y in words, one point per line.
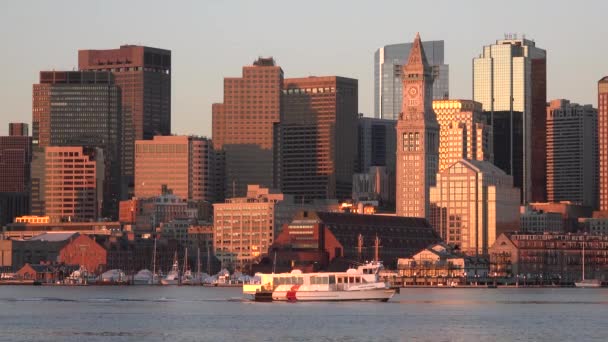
column 572, row 153
column 243, row 126
column 388, row 67
column 463, row 132
column 510, row 81
column 181, row 163
column 316, row 150
column 376, row 144
column 144, row 77
column 15, row 158
column 472, row 204
column 602, row 129
column 82, row 108
column 417, row 137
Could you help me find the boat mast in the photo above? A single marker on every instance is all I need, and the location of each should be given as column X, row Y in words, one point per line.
column 583, row 260
column 360, row 246
column 377, row 247
column 198, row 265
column 185, row 262
column 154, row 261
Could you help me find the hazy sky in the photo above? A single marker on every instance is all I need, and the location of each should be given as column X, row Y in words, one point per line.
column 210, row 40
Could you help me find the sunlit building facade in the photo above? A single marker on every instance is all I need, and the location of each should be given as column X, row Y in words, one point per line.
column 463, row 132
column 472, row 203
column 509, row 80
column 572, row 150
column 388, row 72
column 602, row 129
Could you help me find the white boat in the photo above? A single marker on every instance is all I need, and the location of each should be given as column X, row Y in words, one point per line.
column 587, row 282
column 143, row 277
column 172, row 277
column 113, row 276
column 362, row 283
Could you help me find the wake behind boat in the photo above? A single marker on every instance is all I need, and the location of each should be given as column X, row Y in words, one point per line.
column 362, row 283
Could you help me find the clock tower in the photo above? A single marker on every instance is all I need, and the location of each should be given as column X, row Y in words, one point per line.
column 417, row 137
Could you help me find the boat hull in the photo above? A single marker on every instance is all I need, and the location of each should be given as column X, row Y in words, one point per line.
column 588, row 284
column 334, row 296
column 169, row 281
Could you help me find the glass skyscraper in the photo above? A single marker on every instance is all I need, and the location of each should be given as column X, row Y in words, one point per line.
column 510, row 81
column 388, row 66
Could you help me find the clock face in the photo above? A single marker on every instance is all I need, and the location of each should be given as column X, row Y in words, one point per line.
column 413, row 91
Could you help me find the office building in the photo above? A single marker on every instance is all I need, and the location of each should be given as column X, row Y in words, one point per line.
column 572, row 163
column 144, row 77
column 571, row 213
column 82, row 108
column 316, row 147
column 388, row 72
column 18, row 129
column 377, row 141
column 181, row 163
column 377, row 184
column 243, row 126
column 602, row 134
column 463, row 132
column 73, row 185
column 417, row 137
column 510, row 82
column 15, row 159
column 537, row 221
column 473, row 203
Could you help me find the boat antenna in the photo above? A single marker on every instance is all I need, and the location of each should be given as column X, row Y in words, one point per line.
column 376, row 249
column 274, row 262
column 360, row 245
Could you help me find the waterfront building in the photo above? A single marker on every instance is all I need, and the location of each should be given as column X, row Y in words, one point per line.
column 572, row 153
column 15, row 159
column 316, row 240
column 473, row 203
column 597, row 225
column 73, row 185
column 144, row 76
column 316, row 146
column 181, row 163
column 200, row 236
column 463, row 132
column 537, row 221
column 510, row 82
column 417, row 137
column 81, row 108
column 388, row 72
column 602, row 134
column 570, row 212
column 243, row 126
column 25, row 230
column 441, row 261
column 549, row 257
column 32, row 219
column 244, row 227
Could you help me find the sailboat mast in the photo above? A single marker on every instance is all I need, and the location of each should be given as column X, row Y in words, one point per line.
column 198, row 264
column 583, row 260
column 154, row 262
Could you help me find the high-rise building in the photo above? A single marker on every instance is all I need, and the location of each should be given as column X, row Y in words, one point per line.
column 602, row 134
column 15, row 159
column 73, row 183
column 316, row 146
column 472, row 204
column 181, row 163
column 572, row 153
column 388, row 68
column 510, row 82
column 417, row 137
column 376, row 144
column 463, row 132
column 243, row 126
column 144, row 77
column 244, row 227
column 82, row 108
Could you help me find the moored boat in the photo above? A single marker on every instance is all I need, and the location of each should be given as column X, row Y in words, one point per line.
column 362, row 283
column 172, row 277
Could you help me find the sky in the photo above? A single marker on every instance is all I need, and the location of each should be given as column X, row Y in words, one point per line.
column 211, row 40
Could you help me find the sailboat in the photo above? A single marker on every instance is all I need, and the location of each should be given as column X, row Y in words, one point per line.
column 172, row 277
column 187, row 278
column 587, row 282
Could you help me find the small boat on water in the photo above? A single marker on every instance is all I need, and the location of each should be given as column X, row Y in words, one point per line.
column 362, row 283
column 144, row 277
column 172, row 277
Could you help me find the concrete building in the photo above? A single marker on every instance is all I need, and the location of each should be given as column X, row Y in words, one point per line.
column 510, row 81
column 473, row 203
column 388, row 72
column 316, row 146
column 15, row 159
column 315, row 240
column 417, row 137
column 375, row 185
column 572, row 153
column 244, row 227
column 602, row 134
column 594, row 225
column 376, row 144
column 82, row 108
column 26, row 230
column 440, row 262
column 144, row 77
column 181, row 163
column 570, row 212
column 463, row 132
column 74, row 183
column 549, row 258
column 243, row 126
column 537, row 222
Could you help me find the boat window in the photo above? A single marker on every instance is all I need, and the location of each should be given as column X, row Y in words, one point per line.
column 332, row 279
column 300, row 280
column 351, row 280
column 324, row 280
column 339, row 280
column 357, row 280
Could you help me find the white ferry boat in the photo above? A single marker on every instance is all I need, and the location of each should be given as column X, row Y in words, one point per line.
column 362, row 283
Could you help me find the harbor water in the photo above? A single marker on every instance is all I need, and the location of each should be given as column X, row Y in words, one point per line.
column 141, row 313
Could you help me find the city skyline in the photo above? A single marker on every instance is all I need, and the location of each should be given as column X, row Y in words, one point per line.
column 348, row 51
